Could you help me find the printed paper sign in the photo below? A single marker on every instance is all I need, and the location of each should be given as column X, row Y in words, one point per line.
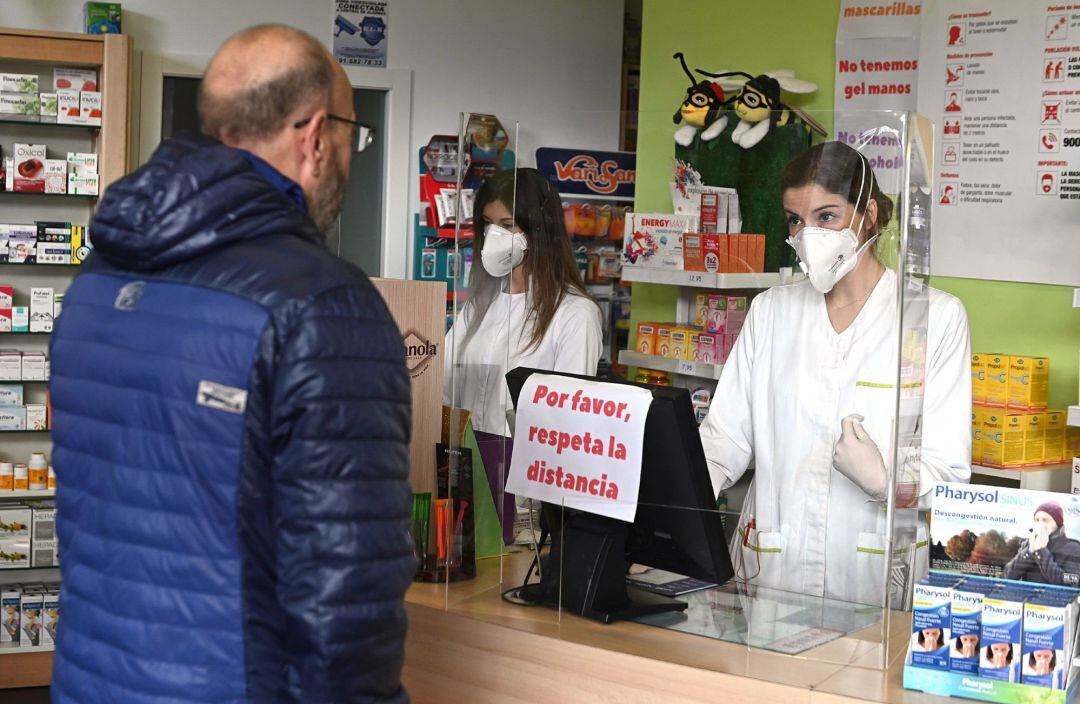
column 360, row 32
column 1027, row 536
column 579, row 444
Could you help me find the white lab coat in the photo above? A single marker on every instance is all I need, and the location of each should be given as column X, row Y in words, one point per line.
column 474, row 376
column 787, row 384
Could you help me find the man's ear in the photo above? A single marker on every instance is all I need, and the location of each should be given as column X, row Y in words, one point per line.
column 313, row 147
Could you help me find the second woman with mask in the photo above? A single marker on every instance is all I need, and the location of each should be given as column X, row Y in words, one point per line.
column 527, row 306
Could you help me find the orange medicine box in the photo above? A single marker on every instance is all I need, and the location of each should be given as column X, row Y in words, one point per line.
column 646, row 338
column 701, row 252
column 1029, row 381
column 757, row 257
column 997, row 379
column 663, row 341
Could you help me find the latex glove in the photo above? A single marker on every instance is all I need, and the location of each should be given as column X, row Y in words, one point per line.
column 857, row 457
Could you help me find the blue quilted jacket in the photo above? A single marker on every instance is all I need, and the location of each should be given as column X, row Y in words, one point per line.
column 231, row 424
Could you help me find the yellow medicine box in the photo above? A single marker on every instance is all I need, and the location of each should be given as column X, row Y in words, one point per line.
column 701, row 309
column 978, row 377
column 976, row 435
column 993, row 438
column 1054, row 442
column 1072, row 441
column 996, row 384
column 1014, row 444
column 694, row 337
column 1034, row 438
column 1029, row 382
column 680, row 344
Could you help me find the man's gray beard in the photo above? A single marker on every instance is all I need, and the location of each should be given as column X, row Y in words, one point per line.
column 328, row 201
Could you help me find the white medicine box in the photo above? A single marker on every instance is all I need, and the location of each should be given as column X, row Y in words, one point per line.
column 41, row 309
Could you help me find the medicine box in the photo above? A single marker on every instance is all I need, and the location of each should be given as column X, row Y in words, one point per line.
column 83, row 184
column 68, row 110
column 1054, row 444
column 694, row 337
column 36, row 416
column 33, row 366
column 15, row 522
column 701, row 252
column 646, row 338
column 976, row 435
column 1002, row 624
column 10, row 365
column 9, row 616
column 655, row 239
column 11, row 394
column 1034, row 438
column 19, row 83
column 1014, row 445
column 736, row 313
column 1047, row 639
column 47, row 107
column 50, row 616
column 708, row 350
column 82, row 163
column 12, row 418
column 997, row 380
column 7, row 296
column 41, row 309
column 1076, row 475
column 966, row 625
column 717, row 319
column 20, row 319
column 14, row 553
column 1029, row 380
column 5, row 320
column 701, row 309
column 930, row 626
column 90, row 107
column 978, row 378
column 55, row 178
column 993, row 437
column 30, row 606
column 663, row 340
column 680, row 344
column 20, row 106
column 102, row 18
column 74, row 79
column 29, row 168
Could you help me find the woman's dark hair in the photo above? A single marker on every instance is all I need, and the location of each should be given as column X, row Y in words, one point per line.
column 840, row 170
column 990, row 653
column 1053, row 660
column 549, row 261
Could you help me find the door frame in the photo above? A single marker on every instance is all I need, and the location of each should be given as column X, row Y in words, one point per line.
column 397, row 82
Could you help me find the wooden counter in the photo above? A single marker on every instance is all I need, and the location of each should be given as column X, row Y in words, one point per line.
column 466, row 644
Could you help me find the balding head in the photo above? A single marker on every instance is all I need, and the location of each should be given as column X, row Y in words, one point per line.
column 261, row 78
column 279, row 94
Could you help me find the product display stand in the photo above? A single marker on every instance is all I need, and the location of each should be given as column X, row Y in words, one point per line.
column 35, row 52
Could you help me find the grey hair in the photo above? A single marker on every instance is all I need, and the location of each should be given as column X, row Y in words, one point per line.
column 260, row 111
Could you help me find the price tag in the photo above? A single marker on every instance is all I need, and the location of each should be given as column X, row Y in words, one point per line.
column 696, row 278
column 686, row 367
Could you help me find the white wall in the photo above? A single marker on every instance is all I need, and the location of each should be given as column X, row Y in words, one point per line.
column 552, row 65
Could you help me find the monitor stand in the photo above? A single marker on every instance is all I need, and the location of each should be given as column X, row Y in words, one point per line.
column 590, row 553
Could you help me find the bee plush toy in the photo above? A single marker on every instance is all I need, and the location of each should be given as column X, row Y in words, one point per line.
column 702, row 109
column 758, row 105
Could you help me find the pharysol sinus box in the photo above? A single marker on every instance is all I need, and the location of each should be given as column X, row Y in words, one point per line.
column 1048, row 627
column 930, row 624
column 1002, row 619
column 966, row 625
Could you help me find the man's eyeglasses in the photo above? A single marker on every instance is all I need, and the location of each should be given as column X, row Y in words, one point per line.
column 364, row 135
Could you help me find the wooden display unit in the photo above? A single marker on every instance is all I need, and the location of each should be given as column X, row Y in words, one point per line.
column 29, row 51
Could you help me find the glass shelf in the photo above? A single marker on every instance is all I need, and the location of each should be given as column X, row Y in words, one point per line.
column 5, row 120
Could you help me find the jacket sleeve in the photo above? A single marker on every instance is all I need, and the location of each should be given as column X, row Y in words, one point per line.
column 342, row 500
column 727, row 434
column 946, row 425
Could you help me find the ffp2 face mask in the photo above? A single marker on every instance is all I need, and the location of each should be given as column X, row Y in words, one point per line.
column 503, row 250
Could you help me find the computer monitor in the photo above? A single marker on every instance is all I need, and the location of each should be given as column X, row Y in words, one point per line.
column 676, row 527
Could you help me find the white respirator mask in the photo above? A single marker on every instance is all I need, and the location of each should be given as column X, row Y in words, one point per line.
column 827, row 256
column 503, row 250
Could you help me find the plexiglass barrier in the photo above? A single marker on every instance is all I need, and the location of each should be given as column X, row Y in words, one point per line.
column 825, row 410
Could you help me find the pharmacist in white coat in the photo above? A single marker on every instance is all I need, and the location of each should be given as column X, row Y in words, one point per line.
column 527, row 306
column 808, row 394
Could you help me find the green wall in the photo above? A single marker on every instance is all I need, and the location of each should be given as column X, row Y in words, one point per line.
column 758, row 36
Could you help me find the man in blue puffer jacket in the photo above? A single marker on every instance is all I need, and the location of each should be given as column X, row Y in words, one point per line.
column 231, row 414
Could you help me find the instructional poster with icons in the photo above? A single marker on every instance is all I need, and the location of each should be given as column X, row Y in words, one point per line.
column 1001, row 80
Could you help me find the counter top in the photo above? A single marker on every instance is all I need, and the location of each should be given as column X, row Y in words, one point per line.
column 466, row 637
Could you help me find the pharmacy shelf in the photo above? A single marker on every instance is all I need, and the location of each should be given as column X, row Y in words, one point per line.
column 671, row 366
column 25, row 494
column 12, row 649
column 9, row 332
column 700, row 279
column 1051, row 477
column 51, row 124
column 36, row 264
column 1074, row 416
column 21, row 432
column 25, row 194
